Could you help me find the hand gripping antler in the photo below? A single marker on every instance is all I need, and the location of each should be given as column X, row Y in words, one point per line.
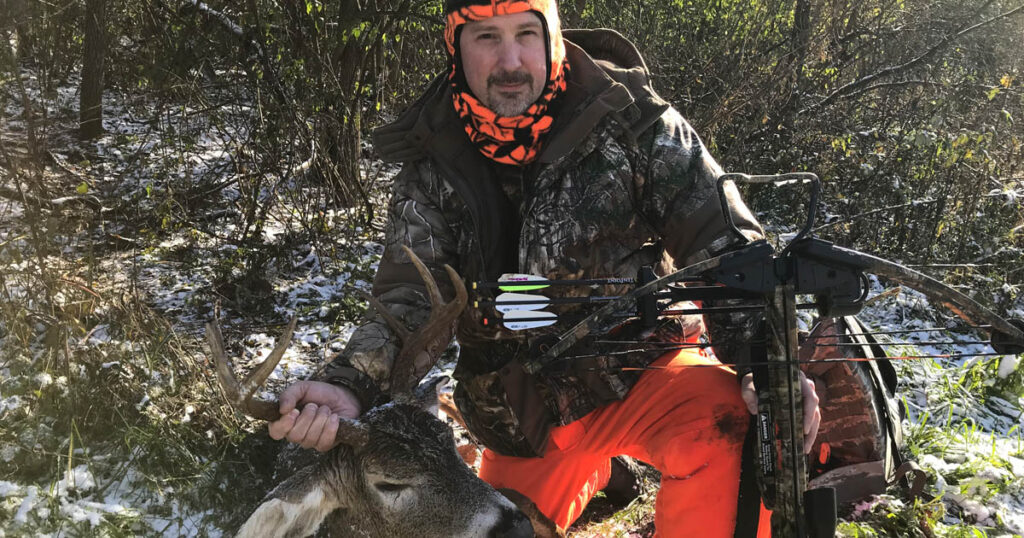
column 421, row 348
column 240, row 394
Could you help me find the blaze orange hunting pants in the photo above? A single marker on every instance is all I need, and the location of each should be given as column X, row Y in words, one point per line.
column 689, row 423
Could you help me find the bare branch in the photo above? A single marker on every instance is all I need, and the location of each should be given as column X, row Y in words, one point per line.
column 886, row 209
column 896, row 69
column 908, row 83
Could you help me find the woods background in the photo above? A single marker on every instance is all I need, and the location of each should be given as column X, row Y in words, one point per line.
column 906, row 109
column 909, row 110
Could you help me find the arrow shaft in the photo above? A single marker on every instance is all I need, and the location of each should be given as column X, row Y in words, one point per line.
column 571, row 282
column 547, row 301
column 679, row 312
column 544, row 282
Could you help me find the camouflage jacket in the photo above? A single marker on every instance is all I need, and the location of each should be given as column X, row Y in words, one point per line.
column 622, row 182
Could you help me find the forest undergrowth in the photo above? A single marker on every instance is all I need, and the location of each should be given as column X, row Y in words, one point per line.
column 114, row 253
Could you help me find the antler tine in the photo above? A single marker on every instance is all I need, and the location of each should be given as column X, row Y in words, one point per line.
column 259, row 375
column 428, row 279
column 240, row 395
column 397, row 326
column 225, row 375
column 432, row 336
column 461, row 295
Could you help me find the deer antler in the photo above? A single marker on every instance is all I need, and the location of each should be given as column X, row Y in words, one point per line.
column 240, row 394
column 430, row 339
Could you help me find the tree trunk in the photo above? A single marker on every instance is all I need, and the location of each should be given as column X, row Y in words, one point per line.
column 90, row 114
column 18, row 14
column 801, row 41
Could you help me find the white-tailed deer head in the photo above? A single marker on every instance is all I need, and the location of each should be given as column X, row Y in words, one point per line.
column 395, row 472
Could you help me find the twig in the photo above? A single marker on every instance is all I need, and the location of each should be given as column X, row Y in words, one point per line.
column 905, row 83
column 889, row 208
column 887, row 293
column 65, row 166
column 220, row 17
column 23, row 197
column 239, row 32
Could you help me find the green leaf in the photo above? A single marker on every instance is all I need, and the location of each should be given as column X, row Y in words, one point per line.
column 993, row 93
column 82, row 188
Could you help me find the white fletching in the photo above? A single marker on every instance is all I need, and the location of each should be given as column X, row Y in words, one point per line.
column 518, row 320
column 502, row 300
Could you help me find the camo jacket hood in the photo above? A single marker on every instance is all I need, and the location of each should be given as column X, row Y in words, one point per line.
column 623, row 182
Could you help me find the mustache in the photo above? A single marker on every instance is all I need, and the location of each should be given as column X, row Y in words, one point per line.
column 510, row 77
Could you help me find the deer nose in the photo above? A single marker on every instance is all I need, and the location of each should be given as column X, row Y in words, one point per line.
column 513, row 525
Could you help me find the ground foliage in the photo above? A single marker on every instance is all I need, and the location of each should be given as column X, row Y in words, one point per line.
column 234, row 172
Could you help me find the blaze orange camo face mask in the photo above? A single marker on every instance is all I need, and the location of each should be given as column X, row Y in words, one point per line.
column 514, row 140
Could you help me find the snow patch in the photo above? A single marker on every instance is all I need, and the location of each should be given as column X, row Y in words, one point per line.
column 10, row 403
column 1007, row 365
column 78, row 479
column 8, row 489
column 29, row 502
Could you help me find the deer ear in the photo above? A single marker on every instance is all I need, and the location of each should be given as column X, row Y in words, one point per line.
column 296, row 507
column 425, row 394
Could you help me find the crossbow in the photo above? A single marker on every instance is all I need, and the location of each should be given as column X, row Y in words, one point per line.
column 806, row 266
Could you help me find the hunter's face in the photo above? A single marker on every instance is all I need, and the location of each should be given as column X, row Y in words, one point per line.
column 504, row 60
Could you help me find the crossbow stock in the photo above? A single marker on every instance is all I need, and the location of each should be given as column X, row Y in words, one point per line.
column 836, row 277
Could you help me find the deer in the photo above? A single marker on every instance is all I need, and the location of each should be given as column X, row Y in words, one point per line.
column 394, row 472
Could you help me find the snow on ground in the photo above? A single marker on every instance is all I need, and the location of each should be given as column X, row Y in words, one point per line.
column 978, row 469
column 978, row 473
column 986, row 493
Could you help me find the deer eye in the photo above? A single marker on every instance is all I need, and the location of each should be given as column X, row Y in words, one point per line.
column 390, row 487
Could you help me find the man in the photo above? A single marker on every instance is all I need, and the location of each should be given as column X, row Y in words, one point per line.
column 553, row 156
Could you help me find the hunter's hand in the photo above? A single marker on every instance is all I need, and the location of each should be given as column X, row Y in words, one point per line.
column 812, row 415
column 316, row 424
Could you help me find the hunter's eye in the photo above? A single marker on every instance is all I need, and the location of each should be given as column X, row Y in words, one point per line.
column 390, row 487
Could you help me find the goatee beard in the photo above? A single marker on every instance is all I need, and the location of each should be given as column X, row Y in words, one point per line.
column 504, row 106
column 511, row 106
